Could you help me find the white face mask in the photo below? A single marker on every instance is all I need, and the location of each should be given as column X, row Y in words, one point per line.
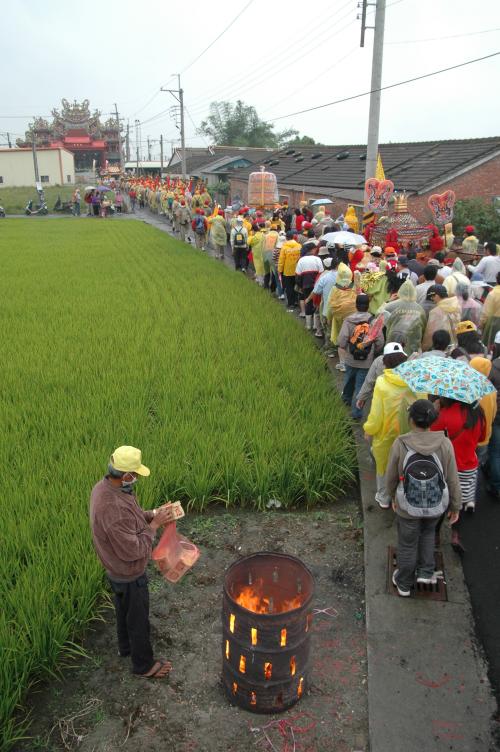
column 128, row 481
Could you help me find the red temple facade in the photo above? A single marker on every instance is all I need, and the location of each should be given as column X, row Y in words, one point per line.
column 95, row 145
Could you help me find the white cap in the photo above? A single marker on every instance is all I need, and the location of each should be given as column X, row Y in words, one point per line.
column 497, row 338
column 377, row 250
column 393, row 347
column 327, row 262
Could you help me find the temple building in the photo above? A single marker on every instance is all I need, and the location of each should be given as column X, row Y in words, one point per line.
column 94, row 144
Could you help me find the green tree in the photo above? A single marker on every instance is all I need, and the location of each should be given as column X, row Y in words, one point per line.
column 302, row 141
column 238, row 124
column 484, row 217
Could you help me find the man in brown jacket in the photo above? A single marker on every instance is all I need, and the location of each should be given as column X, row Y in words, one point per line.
column 416, row 534
column 123, row 537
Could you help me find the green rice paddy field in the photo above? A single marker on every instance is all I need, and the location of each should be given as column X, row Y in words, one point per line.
column 114, row 333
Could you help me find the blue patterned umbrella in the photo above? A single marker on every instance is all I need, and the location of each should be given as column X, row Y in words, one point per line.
column 445, row 377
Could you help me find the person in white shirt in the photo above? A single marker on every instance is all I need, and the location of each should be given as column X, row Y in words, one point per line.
column 489, row 266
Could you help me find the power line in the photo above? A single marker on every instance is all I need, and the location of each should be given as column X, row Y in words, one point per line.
column 217, row 38
column 253, row 79
column 384, row 88
column 440, row 39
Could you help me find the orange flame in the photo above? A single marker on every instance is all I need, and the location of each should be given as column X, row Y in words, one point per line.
column 243, row 664
column 235, row 688
column 253, row 599
column 300, row 688
column 253, row 633
column 231, row 622
column 283, row 638
column 293, row 666
column 253, row 699
column 268, row 670
column 227, row 649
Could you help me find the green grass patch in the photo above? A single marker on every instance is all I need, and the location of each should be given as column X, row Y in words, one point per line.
column 114, row 334
column 14, row 200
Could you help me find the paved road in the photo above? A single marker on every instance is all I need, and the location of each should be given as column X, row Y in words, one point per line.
column 481, row 537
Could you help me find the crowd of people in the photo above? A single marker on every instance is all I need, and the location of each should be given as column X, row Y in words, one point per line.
column 375, row 308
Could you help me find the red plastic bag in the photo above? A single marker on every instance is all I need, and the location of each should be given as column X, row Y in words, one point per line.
column 174, row 554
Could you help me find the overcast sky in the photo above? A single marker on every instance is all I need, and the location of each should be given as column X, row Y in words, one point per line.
column 278, row 56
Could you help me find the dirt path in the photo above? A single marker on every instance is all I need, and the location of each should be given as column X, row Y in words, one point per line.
column 113, row 710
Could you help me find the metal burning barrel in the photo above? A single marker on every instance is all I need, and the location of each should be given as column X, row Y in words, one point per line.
column 263, row 189
column 266, row 624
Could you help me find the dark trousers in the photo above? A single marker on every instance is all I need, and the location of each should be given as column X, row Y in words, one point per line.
column 132, row 622
column 353, row 381
column 240, row 256
column 415, row 549
column 289, row 285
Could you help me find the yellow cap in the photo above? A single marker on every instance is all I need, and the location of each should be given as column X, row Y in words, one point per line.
column 465, row 326
column 128, row 459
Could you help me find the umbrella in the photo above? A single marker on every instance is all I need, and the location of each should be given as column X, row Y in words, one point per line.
column 321, row 202
column 89, row 188
column 445, row 377
column 103, row 188
column 342, row 237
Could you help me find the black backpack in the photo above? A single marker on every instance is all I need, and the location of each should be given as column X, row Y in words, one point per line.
column 358, row 346
column 422, row 489
column 240, row 240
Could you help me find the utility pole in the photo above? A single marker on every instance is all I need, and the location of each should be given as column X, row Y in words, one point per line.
column 149, row 150
column 35, row 160
column 119, row 136
column 9, row 141
column 127, row 144
column 376, row 83
column 161, row 155
column 137, row 147
column 178, row 94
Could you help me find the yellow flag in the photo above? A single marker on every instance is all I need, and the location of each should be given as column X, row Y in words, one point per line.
column 379, row 172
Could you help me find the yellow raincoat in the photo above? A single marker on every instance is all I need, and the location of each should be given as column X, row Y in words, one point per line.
column 386, row 419
column 445, row 315
column 342, row 300
column 490, row 317
column 256, row 243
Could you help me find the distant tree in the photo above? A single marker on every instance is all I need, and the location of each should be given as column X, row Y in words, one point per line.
column 302, row 141
column 238, row 124
column 484, row 217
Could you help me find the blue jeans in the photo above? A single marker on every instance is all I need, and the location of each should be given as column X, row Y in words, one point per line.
column 353, row 381
column 274, row 272
column 494, row 457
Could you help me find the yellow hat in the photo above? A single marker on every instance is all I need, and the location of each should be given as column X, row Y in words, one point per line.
column 128, row 459
column 465, row 326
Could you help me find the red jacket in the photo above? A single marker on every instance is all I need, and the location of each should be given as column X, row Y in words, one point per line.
column 452, row 419
column 298, row 222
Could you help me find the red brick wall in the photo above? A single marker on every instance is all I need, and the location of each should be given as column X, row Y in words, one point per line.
column 294, row 197
column 482, row 182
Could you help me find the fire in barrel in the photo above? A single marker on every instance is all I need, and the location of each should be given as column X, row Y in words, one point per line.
column 266, row 620
column 263, row 189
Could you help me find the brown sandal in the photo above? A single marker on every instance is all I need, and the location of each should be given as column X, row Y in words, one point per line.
column 159, row 670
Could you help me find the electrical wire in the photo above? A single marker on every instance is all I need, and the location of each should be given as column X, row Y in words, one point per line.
column 440, row 39
column 384, row 88
column 217, row 37
column 196, row 127
column 254, row 79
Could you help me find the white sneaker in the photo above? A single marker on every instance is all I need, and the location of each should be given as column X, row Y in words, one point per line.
column 340, row 367
column 281, row 297
column 302, row 315
column 401, row 591
column 470, row 506
column 382, row 501
column 428, row 580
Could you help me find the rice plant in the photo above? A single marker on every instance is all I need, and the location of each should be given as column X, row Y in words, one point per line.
column 116, row 334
